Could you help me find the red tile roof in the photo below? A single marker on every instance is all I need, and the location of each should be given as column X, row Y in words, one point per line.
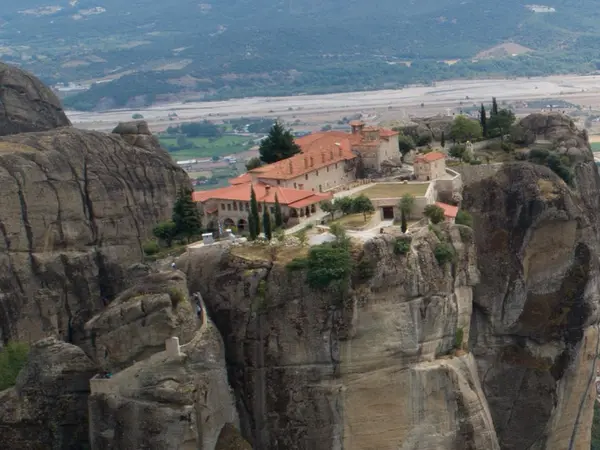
column 319, row 150
column 241, row 179
column 264, row 193
column 449, row 210
column 430, row 157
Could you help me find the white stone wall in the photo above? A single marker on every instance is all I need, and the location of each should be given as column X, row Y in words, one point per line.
column 318, row 180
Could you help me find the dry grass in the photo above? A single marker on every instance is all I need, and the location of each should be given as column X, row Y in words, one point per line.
column 257, row 252
column 393, row 190
column 14, row 147
column 547, row 189
column 353, row 220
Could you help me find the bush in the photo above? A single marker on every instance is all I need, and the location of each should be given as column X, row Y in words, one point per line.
column 434, row 213
column 12, row 359
column 401, row 246
column 475, row 162
column 464, row 218
column 458, row 338
column 297, row 264
column 150, row 248
column 424, row 139
column 444, row 253
column 365, row 269
column 405, row 144
column 328, row 263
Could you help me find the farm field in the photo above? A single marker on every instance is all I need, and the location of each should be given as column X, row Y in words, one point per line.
column 201, row 147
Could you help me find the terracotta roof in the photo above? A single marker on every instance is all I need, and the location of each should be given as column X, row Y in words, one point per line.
column 356, row 123
column 449, row 210
column 264, row 193
column 319, row 151
column 315, row 198
column 385, row 132
column 241, row 179
column 430, row 157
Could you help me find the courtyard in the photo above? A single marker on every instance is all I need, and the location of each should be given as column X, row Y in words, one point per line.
column 394, row 190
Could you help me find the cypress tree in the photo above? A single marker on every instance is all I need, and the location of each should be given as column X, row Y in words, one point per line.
column 443, row 140
column 278, row 214
column 254, row 214
column 404, row 225
column 267, row 222
column 251, row 227
column 483, row 120
column 494, row 107
column 186, row 215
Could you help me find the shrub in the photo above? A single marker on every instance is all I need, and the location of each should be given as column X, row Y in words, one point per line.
column 444, row 253
column 424, row 139
column 165, row 231
column 464, row 218
column 434, row 213
column 328, row 263
column 401, row 246
column 365, row 269
column 297, row 264
column 12, row 359
column 150, row 248
column 458, row 338
column 475, row 162
column 176, row 297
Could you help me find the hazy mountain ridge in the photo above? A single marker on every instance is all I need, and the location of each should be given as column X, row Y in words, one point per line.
column 239, row 47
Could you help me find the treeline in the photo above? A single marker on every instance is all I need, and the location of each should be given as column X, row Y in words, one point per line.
column 197, row 129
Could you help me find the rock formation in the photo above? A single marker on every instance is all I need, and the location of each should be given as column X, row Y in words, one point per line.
column 27, row 105
column 75, row 208
column 47, row 409
column 535, row 324
column 376, row 368
column 173, row 399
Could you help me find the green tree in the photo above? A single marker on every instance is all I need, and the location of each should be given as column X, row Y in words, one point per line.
column 278, row 214
column 329, row 207
column 483, row 120
column 345, row 205
column 405, row 144
column 434, row 213
column 12, row 359
column 362, row 204
column 406, row 204
column 253, row 163
column 182, row 142
column 464, row 218
column 253, row 220
column 278, row 145
column 500, row 123
column 404, row 224
column 494, row 107
column 443, row 140
column 186, row 215
column 266, row 222
column 457, row 151
column 464, row 129
column 166, row 231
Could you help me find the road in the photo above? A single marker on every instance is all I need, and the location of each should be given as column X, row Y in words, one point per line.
column 399, row 103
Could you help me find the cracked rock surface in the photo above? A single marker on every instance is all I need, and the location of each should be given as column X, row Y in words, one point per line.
column 75, row 209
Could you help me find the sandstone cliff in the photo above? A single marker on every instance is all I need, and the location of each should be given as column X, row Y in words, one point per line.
column 373, row 369
column 534, row 330
column 76, row 206
column 47, row 409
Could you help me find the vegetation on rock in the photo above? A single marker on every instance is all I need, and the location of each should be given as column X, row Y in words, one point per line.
column 434, row 213
column 464, row 218
column 12, row 359
column 402, row 245
column 186, row 216
column 444, row 253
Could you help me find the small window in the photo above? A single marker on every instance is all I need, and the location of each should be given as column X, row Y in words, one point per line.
column 306, row 177
column 336, row 165
column 327, row 169
column 235, row 206
column 317, row 173
column 272, row 210
column 247, row 206
column 223, row 206
column 228, row 206
column 260, row 207
column 295, row 186
column 278, row 182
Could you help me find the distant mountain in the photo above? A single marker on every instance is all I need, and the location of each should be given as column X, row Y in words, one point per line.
column 226, row 48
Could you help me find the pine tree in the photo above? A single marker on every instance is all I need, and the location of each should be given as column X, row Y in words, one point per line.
column 494, row 107
column 443, row 140
column 186, row 215
column 403, row 225
column 278, row 145
column 255, row 222
column 267, row 222
column 483, row 120
column 278, row 214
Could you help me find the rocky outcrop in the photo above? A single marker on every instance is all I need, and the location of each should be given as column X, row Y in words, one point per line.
column 26, row 104
column 47, row 409
column 76, row 207
column 534, row 330
column 136, row 324
column 374, row 367
column 166, row 401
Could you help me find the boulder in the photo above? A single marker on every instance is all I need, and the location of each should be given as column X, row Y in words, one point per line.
column 27, row 105
column 138, row 321
column 47, row 408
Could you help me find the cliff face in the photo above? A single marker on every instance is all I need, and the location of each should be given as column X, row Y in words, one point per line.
column 76, row 206
column 534, row 330
column 374, row 368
